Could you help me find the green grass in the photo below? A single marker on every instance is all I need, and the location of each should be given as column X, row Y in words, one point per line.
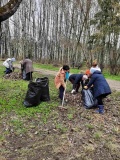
column 112, row 77
column 72, row 70
column 47, row 129
column 75, row 70
column 12, row 95
column 53, row 68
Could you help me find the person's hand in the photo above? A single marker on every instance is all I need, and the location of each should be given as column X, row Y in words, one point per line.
column 73, row 91
column 85, row 87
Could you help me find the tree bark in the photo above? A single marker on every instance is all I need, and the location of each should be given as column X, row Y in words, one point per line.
column 9, row 9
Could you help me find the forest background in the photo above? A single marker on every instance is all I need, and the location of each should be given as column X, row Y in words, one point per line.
column 58, row 32
column 64, row 31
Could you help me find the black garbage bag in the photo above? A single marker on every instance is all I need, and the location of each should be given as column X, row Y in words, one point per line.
column 44, row 83
column 33, row 94
column 37, row 91
column 88, row 100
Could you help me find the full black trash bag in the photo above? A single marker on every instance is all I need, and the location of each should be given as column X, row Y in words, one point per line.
column 37, row 91
column 44, row 83
column 88, row 100
column 33, row 94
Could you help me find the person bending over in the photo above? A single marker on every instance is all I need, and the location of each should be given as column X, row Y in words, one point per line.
column 101, row 88
column 8, row 64
column 76, row 80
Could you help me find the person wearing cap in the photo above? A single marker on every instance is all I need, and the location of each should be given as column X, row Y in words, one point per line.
column 87, row 72
column 76, row 79
column 60, row 80
column 101, row 88
column 8, row 64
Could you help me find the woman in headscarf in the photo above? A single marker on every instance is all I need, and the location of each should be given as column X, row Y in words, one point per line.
column 101, row 88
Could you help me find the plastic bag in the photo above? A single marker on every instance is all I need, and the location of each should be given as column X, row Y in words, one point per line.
column 44, row 83
column 37, row 91
column 33, row 95
column 88, row 100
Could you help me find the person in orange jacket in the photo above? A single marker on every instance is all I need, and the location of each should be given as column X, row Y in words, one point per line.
column 60, row 79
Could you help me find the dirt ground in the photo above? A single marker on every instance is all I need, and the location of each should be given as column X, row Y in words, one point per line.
column 73, row 133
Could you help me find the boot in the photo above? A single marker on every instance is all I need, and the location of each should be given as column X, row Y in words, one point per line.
column 100, row 109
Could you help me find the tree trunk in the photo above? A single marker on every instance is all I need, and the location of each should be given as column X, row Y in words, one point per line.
column 9, row 9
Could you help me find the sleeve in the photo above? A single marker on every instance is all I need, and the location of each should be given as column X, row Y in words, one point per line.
column 91, row 82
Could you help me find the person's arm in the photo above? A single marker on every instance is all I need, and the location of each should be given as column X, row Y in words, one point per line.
column 91, row 82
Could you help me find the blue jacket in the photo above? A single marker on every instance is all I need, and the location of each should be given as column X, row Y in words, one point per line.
column 76, row 79
column 100, row 85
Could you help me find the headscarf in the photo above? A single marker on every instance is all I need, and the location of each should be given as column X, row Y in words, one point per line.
column 13, row 59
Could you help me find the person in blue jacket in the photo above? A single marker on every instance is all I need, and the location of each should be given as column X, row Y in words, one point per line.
column 76, row 80
column 101, row 88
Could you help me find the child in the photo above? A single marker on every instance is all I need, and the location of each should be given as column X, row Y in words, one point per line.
column 76, row 79
column 60, row 80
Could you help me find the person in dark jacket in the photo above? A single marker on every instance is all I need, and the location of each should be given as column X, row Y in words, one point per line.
column 100, row 88
column 76, row 79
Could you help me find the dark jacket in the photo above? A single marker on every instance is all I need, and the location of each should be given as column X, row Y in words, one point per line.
column 100, row 85
column 76, row 79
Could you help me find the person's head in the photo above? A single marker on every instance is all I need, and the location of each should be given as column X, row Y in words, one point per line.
column 93, row 69
column 94, row 64
column 66, row 68
column 13, row 59
column 85, row 77
column 87, row 72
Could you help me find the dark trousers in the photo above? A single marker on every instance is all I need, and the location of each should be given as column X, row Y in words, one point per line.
column 77, row 86
column 100, row 100
column 28, row 76
column 8, row 70
column 61, row 91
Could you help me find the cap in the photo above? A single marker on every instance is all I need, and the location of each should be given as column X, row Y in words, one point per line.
column 93, row 69
column 87, row 72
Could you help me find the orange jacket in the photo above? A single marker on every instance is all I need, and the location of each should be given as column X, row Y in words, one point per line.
column 59, row 78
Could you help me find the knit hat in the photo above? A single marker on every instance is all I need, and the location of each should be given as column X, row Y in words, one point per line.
column 87, row 72
column 93, row 69
column 13, row 59
column 85, row 77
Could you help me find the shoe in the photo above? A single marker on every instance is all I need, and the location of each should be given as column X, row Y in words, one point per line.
column 100, row 109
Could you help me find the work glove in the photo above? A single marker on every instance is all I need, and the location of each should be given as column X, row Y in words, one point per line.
column 73, row 91
column 67, row 75
column 85, row 87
